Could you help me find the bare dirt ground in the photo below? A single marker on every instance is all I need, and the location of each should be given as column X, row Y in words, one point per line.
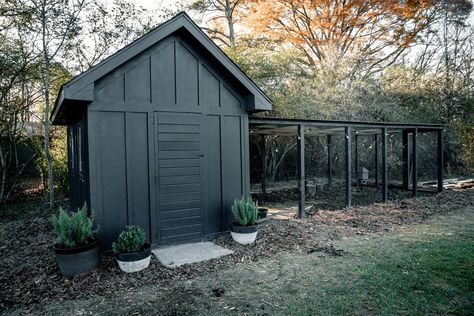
column 31, row 283
column 332, row 198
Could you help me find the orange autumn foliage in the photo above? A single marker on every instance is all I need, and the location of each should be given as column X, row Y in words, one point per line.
column 369, row 31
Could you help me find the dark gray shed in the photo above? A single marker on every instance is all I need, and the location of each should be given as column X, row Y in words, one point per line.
column 158, row 135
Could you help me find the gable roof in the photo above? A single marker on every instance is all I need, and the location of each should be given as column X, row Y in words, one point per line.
column 80, row 89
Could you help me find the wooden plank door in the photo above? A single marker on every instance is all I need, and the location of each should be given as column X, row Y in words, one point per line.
column 78, row 164
column 179, row 187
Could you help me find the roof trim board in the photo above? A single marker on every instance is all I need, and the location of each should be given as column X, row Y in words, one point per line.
column 278, row 126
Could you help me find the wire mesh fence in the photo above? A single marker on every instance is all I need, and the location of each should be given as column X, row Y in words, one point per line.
column 325, row 166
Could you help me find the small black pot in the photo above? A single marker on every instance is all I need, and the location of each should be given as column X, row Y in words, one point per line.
column 237, row 228
column 262, row 212
column 74, row 261
column 134, row 256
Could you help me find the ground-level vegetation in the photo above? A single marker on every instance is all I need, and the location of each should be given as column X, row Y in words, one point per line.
column 409, row 256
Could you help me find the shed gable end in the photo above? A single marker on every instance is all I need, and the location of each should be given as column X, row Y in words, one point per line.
column 168, row 74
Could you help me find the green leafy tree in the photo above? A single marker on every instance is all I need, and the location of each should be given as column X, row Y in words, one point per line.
column 17, row 93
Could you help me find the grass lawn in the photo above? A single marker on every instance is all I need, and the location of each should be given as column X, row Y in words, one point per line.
column 424, row 269
column 428, row 270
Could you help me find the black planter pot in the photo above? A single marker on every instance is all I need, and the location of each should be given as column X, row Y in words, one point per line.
column 134, row 261
column 262, row 212
column 74, row 261
column 236, row 228
column 134, row 256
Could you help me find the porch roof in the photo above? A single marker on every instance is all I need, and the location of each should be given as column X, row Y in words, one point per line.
column 284, row 126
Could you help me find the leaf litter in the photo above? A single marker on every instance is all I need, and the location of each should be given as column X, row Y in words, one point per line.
column 30, row 278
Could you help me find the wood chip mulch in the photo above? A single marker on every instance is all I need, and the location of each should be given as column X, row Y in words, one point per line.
column 30, row 279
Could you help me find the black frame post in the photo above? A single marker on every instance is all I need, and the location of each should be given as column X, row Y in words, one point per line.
column 405, row 158
column 329, row 171
column 440, row 161
column 384, row 166
column 376, row 162
column 348, row 149
column 264, row 165
column 415, row 163
column 301, row 171
column 356, row 139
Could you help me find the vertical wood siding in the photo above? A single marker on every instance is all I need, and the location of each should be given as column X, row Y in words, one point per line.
column 169, row 134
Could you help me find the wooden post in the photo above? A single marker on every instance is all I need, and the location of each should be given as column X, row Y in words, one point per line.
column 376, row 162
column 264, row 165
column 357, row 158
column 415, row 163
column 405, row 157
column 384, row 166
column 301, row 165
column 348, row 148
column 329, row 145
column 440, row 161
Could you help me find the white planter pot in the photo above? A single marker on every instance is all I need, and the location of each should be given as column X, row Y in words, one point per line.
column 243, row 235
column 134, row 261
column 134, row 266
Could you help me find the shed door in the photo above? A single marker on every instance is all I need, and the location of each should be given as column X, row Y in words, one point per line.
column 179, row 186
column 78, row 168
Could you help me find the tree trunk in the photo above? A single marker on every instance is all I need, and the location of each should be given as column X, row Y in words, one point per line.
column 230, row 23
column 4, row 169
column 45, row 75
column 273, row 160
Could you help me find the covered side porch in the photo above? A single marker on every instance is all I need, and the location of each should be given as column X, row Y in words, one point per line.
column 352, row 133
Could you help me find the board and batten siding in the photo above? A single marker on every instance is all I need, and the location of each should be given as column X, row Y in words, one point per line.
column 168, row 145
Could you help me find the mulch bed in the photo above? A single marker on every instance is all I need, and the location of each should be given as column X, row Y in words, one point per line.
column 381, row 217
column 30, row 279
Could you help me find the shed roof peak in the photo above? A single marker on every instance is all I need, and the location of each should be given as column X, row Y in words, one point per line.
column 80, row 89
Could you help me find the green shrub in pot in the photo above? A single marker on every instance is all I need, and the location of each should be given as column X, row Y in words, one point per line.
column 73, row 229
column 77, row 248
column 132, row 239
column 131, row 250
column 245, row 211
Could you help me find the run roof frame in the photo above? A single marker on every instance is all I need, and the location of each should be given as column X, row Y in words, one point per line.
column 278, row 126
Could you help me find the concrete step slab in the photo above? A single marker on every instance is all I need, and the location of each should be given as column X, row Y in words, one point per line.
column 176, row 255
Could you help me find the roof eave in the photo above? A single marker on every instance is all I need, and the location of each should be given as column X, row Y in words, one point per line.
column 255, row 104
column 68, row 97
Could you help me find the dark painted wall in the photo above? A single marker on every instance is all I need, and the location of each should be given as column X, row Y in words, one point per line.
column 168, row 142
